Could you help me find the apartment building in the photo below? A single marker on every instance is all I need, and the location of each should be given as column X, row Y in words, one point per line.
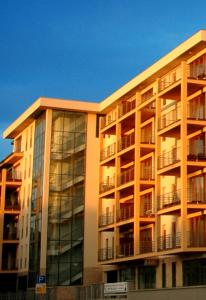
column 114, row 188
column 56, row 152
column 152, row 201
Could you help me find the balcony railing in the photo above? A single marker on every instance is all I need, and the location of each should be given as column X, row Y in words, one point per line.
column 170, row 78
column 9, row 264
column 170, row 241
column 126, row 141
column 196, row 153
column 125, row 176
column 10, row 205
column 105, row 254
column 108, row 151
column 197, row 71
column 146, row 246
column 196, row 239
column 169, row 199
column 147, row 95
column 107, row 185
column 125, row 213
column 107, row 120
column 10, row 234
column 196, row 195
column 125, row 107
column 125, row 249
column 169, row 118
column 106, row 219
column 169, row 158
column 146, row 213
column 148, row 138
column 13, row 175
column 147, row 173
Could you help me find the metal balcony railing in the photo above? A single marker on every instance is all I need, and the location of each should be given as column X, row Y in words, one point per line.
column 126, row 141
column 106, row 219
column 13, row 175
column 125, row 213
column 108, row 151
column 146, row 213
column 9, row 264
column 148, row 138
column 197, row 71
column 169, row 199
column 169, row 118
column 125, row 249
column 170, row 241
column 196, row 239
column 170, row 78
column 147, row 173
column 125, row 176
column 147, row 95
column 107, row 120
column 10, row 234
column 10, row 205
column 196, row 195
column 105, row 254
column 107, row 185
column 125, row 107
column 169, row 158
column 196, row 152
column 146, row 246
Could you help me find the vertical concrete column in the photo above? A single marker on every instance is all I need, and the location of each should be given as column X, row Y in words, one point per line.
column 157, row 177
column 91, row 270
column 3, row 195
column 45, row 196
column 137, row 177
column 183, row 155
column 117, row 172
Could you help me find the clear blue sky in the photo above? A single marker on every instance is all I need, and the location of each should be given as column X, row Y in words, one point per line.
column 83, row 49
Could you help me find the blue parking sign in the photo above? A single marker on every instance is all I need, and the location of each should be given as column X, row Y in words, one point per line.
column 41, row 279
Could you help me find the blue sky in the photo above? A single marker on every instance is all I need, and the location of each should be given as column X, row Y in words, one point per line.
column 83, row 49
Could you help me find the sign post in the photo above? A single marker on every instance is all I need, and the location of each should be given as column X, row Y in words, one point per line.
column 41, row 285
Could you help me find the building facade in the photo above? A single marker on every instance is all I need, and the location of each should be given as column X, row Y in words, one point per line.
column 56, row 143
column 152, row 173
column 116, row 188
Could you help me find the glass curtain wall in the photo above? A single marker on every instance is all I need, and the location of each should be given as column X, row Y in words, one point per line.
column 66, row 199
column 36, row 200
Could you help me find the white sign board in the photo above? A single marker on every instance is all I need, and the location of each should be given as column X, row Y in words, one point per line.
column 115, row 288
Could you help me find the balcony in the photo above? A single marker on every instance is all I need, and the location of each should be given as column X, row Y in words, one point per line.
column 196, row 153
column 107, row 120
column 169, row 242
column 196, row 195
column 125, row 213
column 107, row 185
column 146, row 247
column 13, row 175
column 147, row 138
column 169, row 199
column 106, row 219
column 125, row 177
column 196, row 239
column 169, row 79
column 108, row 151
column 126, row 141
column 147, row 173
column 9, row 264
column 169, row 158
column 10, row 234
column 125, row 249
column 168, row 121
column 126, row 106
column 12, row 205
column 147, row 96
column 105, row 254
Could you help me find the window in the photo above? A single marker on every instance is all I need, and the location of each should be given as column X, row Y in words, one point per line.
column 164, row 275
column 173, row 274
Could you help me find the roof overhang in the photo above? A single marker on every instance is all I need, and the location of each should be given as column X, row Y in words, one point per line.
column 40, row 105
